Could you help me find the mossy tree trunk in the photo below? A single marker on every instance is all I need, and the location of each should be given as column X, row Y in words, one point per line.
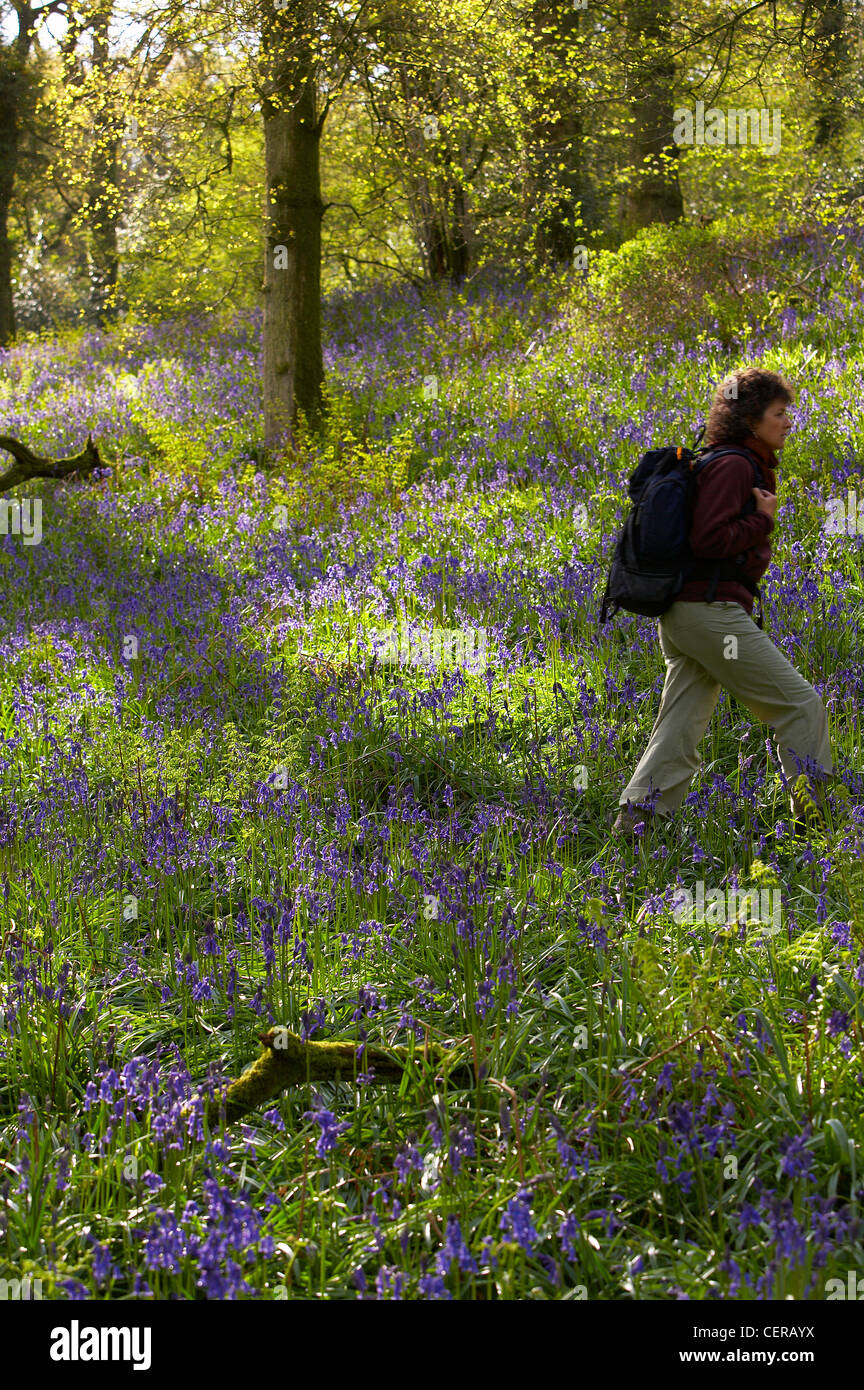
column 830, row 73
column 13, row 78
column 103, row 193
column 654, row 193
column 293, row 359
column 559, row 137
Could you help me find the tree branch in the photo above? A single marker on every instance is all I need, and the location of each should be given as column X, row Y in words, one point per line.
column 286, row 1060
column 28, row 465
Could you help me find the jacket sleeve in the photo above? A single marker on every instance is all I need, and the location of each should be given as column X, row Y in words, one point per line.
column 719, row 531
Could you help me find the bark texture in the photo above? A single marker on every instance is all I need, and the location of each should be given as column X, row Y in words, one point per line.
column 654, row 194
column 830, row 65
column 28, row 465
column 559, row 138
column 13, row 62
column 103, row 194
column 293, row 360
column 286, row 1060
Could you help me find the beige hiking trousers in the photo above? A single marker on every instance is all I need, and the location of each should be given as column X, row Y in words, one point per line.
column 708, row 646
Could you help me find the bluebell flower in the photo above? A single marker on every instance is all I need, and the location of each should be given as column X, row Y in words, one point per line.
column 487, row 1254
column 408, row 1161
column 103, row 1266
column 732, row 1268
column 432, row 1286
column 461, row 1146
column 454, row 1248
column 517, row 1220
column 797, row 1162
column 568, row 1232
column 75, row 1290
column 330, row 1130
column 390, row 1279
column 838, row 1022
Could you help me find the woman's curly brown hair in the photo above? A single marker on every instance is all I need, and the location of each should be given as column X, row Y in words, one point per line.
column 740, row 401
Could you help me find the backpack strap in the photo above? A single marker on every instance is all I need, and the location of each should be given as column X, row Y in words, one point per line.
column 703, row 456
column 604, row 604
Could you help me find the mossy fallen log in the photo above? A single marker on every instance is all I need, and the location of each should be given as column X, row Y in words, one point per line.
column 286, row 1060
column 28, row 465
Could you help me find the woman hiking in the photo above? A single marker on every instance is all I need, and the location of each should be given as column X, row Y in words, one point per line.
column 750, row 409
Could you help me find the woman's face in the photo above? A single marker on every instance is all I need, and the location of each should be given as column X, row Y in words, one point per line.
column 774, row 424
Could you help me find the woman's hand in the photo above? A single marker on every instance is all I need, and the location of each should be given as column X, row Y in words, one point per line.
column 766, row 502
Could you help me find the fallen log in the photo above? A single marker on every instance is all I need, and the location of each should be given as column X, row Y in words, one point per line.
column 286, row 1060
column 28, row 465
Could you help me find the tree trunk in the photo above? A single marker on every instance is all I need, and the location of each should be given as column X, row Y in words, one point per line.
column 654, row 194
column 12, row 61
column 8, row 164
column 831, row 57
column 559, row 138
column 443, row 228
column 104, row 187
column 293, row 360
column 435, row 164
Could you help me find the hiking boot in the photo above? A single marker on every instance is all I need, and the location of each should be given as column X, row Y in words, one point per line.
column 628, row 818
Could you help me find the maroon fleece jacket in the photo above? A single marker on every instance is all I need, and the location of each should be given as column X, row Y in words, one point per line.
column 719, row 532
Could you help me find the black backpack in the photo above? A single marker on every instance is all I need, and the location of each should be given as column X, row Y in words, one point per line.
column 653, row 559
